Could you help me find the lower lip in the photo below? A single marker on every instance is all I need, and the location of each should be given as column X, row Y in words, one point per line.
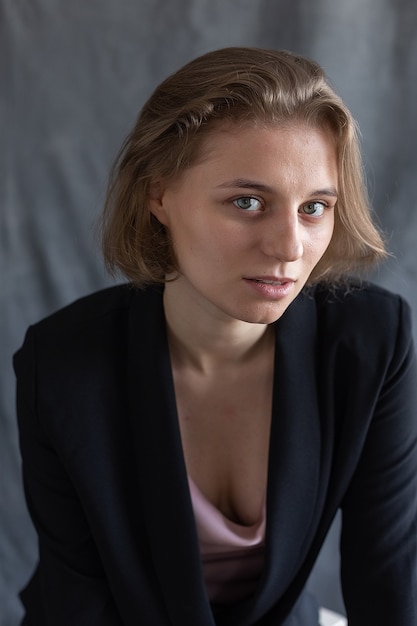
column 272, row 292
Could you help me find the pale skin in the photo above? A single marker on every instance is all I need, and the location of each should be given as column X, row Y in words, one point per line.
column 248, row 222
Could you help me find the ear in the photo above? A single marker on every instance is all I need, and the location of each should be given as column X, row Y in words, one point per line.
column 156, row 202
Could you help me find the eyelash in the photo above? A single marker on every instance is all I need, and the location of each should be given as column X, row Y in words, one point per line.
column 250, row 210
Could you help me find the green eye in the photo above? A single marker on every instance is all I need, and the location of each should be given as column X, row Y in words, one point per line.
column 247, row 203
column 313, row 208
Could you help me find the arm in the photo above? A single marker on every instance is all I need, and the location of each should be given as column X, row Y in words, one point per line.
column 379, row 530
column 69, row 587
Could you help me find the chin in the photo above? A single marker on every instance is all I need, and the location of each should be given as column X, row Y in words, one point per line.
column 264, row 315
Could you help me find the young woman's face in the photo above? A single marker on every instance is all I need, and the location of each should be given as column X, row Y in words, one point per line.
column 251, row 220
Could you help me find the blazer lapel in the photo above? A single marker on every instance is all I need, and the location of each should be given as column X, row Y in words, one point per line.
column 294, row 464
column 162, row 474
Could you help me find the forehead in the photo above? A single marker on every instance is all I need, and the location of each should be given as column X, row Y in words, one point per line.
column 222, row 133
column 252, row 142
column 292, row 157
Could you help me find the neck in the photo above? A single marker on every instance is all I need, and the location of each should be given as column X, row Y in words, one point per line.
column 205, row 339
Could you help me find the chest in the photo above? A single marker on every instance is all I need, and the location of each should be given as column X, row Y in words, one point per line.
column 225, row 429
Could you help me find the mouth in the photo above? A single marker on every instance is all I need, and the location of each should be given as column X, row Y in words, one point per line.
column 270, row 282
column 272, row 288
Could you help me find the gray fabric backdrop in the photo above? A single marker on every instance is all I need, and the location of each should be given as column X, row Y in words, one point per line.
column 73, row 76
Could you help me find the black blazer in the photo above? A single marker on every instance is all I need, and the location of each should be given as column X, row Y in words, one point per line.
column 106, row 483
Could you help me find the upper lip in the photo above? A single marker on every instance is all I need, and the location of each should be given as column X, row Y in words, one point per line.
column 272, row 279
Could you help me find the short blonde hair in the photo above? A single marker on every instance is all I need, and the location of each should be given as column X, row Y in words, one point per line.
column 236, row 86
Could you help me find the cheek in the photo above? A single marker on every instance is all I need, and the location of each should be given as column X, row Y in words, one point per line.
column 327, row 234
column 191, row 242
column 317, row 246
column 330, row 233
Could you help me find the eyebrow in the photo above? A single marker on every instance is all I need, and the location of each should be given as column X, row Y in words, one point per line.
column 243, row 183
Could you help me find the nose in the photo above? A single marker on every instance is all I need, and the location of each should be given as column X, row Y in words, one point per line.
column 283, row 237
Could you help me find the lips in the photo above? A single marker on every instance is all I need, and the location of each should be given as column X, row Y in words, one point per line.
column 271, row 280
column 272, row 288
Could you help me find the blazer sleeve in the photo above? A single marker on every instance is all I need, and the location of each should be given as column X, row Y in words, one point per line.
column 69, row 586
column 379, row 512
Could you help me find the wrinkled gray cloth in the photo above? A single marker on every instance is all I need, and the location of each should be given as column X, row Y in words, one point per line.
column 73, row 77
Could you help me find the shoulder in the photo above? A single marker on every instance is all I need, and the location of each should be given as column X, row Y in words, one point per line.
column 91, row 323
column 96, row 309
column 360, row 303
column 354, row 293
column 87, row 310
column 364, row 318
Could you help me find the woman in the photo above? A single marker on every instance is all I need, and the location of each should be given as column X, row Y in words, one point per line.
column 187, row 439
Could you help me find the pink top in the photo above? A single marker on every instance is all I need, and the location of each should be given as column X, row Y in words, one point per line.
column 232, row 554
